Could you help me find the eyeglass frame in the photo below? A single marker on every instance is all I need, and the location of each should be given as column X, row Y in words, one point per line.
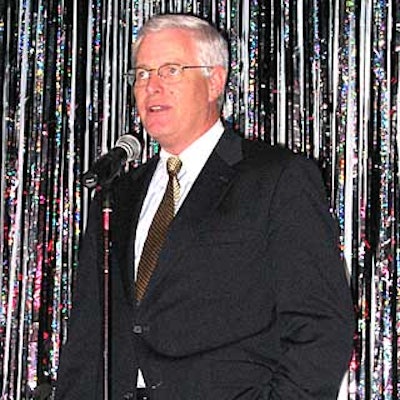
column 131, row 75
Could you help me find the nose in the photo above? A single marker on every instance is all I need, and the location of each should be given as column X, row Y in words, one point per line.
column 154, row 83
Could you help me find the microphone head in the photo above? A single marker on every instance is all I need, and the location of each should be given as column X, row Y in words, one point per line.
column 131, row 146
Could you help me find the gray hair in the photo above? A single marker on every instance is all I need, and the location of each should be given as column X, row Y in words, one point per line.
column 212, row 46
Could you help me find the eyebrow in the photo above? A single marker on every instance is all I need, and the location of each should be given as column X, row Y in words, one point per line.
column 146, row 66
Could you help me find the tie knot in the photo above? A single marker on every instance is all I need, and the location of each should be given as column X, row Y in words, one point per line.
column 174, row 165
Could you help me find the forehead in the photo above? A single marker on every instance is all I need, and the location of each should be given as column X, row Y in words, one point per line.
column 168, row 45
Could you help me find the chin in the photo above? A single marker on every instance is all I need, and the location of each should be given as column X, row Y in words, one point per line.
column 157, row 128
column 157, row 134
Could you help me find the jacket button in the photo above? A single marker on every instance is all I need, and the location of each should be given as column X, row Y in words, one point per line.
column 139, row 329
column 128, row 396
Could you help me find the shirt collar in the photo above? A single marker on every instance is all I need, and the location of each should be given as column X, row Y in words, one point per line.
column 195, row 156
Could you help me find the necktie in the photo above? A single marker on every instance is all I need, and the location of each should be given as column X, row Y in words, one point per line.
column 158, row 228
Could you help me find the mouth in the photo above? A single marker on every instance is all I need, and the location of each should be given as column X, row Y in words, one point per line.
column 157, row 108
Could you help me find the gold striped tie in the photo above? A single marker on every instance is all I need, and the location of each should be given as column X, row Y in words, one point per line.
column 158, row 228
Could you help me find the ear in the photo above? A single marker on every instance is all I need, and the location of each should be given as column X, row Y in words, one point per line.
column 217, row 81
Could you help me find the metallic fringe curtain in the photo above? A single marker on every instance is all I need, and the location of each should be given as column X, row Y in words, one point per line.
column 320, row 77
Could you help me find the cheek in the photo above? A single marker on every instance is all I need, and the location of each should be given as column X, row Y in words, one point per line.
column 139, row 103
column 201, row 91
column 193, row 97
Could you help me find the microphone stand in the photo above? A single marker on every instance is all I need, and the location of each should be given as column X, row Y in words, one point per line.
column 106, row 211
column 91, row 180
column 106, row 219
column 102, row 175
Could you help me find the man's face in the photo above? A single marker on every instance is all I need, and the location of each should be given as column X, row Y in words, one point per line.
column 176, row 114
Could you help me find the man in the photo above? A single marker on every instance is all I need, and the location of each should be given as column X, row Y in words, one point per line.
column 248, row 298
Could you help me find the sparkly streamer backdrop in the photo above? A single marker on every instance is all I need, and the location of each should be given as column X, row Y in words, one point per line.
column 318, row 76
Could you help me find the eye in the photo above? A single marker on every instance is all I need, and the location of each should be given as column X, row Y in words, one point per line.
column 141, row 74
column 172, row 70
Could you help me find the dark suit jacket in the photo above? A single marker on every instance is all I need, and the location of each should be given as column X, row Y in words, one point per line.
column 249, row 299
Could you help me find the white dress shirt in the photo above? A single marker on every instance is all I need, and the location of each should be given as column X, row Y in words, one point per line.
column 193, row 159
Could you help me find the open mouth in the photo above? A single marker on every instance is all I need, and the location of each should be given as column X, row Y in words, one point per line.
column 158, row 108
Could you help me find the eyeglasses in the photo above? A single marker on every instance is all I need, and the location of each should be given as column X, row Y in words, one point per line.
column 170, row 73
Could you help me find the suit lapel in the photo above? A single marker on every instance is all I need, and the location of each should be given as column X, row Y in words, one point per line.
column 205, row 195
column 129, row 198
column 211, row 184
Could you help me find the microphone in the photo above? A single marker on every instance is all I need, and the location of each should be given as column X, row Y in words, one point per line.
column 108, row 167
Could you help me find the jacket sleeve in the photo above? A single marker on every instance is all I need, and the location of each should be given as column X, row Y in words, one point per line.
column 80, row 370
column 314, row 306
